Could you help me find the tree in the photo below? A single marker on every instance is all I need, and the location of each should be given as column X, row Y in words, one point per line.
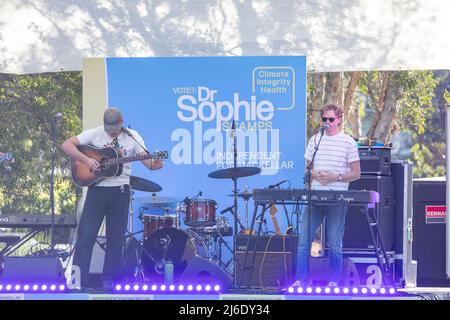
column 392, row 101
column 27, row 106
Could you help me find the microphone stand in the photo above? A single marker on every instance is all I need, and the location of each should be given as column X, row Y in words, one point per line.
column 128, row 133
column 307, row 182
column 52, row 182
column 235, row 205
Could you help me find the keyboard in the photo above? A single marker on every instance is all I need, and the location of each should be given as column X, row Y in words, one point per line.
column 37, row 221
column 301, row 196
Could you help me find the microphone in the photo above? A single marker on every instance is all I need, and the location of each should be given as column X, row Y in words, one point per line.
column 324, row 127
column 278, row 184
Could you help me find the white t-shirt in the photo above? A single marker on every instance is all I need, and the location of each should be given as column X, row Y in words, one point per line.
column 335, row 153
column 97, row 137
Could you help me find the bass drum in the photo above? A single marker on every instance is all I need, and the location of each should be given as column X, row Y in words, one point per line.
column 170, row 244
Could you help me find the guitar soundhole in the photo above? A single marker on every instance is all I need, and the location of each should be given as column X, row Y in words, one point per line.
column 103, row 163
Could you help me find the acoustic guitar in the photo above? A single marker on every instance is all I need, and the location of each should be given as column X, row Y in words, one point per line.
column 111, row 164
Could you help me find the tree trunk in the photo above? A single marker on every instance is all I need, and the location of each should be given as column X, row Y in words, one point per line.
column 350, row 110
column 388, row 113
column 379, row 103
column 334, row 88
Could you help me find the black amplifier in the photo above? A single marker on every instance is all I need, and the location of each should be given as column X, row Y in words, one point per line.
column 375, row 160
column 272, row 266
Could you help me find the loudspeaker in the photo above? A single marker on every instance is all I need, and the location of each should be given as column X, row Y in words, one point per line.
column 357, row 233
column 33, row 269
column 202, row 270
column 429, row 243
column 375, row 160
column 275, row 262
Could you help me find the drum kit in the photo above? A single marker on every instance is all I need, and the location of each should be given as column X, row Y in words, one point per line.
column 202, row 234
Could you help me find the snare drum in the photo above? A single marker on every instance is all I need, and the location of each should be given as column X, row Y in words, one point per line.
column 153, row 223
column 201, row 212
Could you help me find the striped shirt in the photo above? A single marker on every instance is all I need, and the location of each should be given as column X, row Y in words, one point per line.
column 335, row 153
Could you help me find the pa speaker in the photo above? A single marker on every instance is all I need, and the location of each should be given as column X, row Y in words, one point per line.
column 201, row 270
column 32, row 269
column 357, row 233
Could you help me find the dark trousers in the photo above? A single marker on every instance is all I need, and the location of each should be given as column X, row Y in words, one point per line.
column 111, row 203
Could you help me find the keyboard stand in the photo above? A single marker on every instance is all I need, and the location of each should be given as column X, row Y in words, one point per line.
column 378, row 245
column 10, row 248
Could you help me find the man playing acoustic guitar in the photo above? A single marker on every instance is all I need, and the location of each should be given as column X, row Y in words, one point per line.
column 109, row 196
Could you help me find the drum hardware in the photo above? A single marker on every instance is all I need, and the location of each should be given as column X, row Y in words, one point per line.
column 139, row 184
column 234, row 173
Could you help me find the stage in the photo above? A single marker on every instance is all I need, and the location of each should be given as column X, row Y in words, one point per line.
column 401, row 294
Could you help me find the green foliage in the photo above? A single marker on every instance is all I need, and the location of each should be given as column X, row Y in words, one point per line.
column 429, row 148
column 27, row 106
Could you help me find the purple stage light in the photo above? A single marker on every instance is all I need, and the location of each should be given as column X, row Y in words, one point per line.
column 345, row 290
column 299, row 290
column 44, row 287
column 318, row 290
column 198, row 287
column 383, row 290
column 373, row 291
column 364, row 290
column 216, row 288
column 190, row 287
column 171, row 287
column 127, row 287
column 8, row 287
column 62, row 287
column 145, row 287
column 136, row 287
column 17, row 287
column 1, row 287
column 35, row 287
column 291, row 290
column 154, row 287
column 53, row 287
column 392, row 290
column 309, row 290
column 336, row 290
column 327, row 290
column 26, row 287
column 180, row 287
column 118, row 287
column 208, row 288
column 355, row 290
column 163, row 287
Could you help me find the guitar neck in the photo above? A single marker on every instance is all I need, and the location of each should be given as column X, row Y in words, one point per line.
column 273, row 212
column 132, row 158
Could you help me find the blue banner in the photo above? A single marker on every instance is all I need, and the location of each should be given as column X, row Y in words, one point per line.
column 186, row 105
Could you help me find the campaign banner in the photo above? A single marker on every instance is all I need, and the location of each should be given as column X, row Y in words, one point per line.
column 210, row 113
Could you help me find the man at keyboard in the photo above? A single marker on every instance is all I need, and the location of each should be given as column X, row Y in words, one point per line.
column 335, row 164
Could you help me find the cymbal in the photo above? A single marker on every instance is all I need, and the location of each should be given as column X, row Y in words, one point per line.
column 142, row 184
column 154, row 199
column 234, row 172
column 245, row 194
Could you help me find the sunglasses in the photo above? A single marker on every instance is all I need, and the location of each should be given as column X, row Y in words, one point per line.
column 324, row 119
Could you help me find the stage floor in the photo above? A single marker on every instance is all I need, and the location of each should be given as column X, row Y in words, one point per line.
column 403, row 294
